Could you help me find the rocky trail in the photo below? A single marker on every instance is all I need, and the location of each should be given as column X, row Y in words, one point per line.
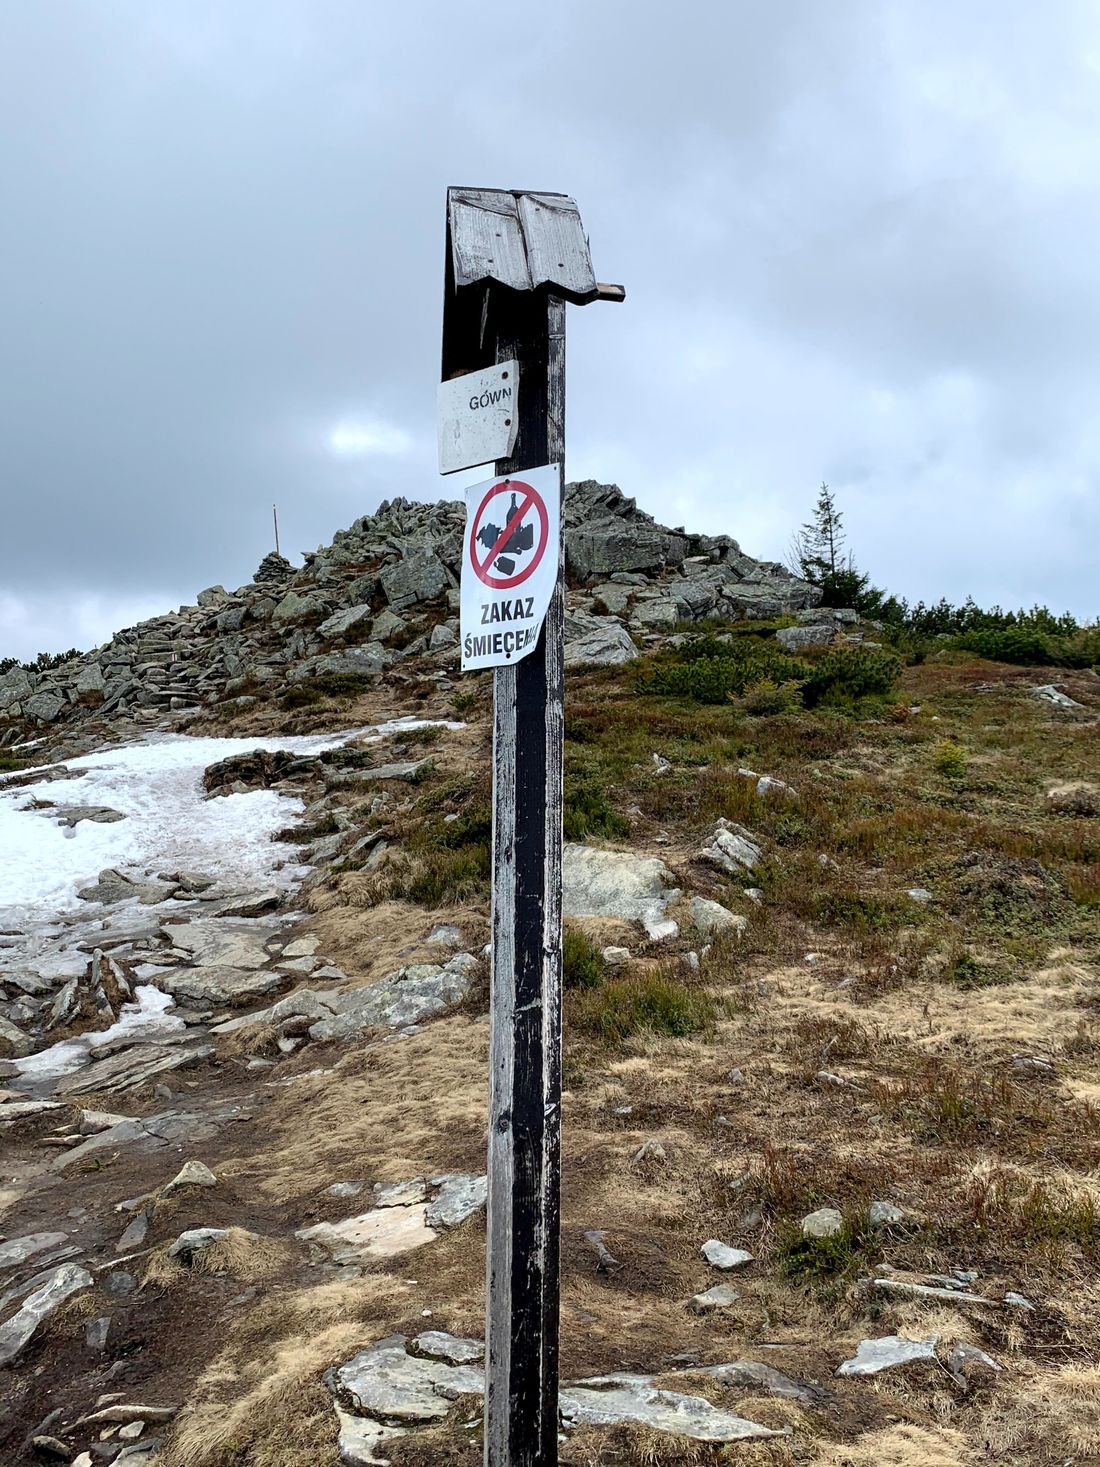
column 830, row 1136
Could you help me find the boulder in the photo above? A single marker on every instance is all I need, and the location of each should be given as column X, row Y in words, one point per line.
column 294, row 608
column 1075, row 797
column 732, row 849
column 796, row 639
column 352, row 618
column 826, row 1222
column 45, row 707
column 719, row 1296
column 419, row 576
column 366, row 661
column 596, row 641
column 712, row 917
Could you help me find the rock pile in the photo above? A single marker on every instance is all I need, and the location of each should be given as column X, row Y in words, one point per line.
column 386, row 591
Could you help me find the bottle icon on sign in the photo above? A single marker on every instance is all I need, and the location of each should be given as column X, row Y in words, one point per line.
column 520, row 542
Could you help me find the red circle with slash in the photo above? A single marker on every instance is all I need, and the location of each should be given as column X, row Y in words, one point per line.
column 529, row 499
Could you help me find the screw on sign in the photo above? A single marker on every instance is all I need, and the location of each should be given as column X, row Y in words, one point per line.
column 524, row 516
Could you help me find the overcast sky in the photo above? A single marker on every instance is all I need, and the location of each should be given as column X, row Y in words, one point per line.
column 860, row 242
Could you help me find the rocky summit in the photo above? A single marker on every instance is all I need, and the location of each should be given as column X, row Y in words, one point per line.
column 385, row 592
column 830, row 1068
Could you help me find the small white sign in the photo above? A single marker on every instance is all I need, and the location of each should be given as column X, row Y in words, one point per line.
column 478, row 417
column 510, row 556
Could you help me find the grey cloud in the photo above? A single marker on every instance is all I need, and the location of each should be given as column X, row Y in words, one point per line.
column 858, row 241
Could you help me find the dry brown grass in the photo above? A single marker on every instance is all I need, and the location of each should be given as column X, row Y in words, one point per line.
column 240, row 1254
column 1053, row 1416
column 902, row 1446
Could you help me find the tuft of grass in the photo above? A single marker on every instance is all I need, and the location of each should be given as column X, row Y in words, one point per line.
column 647, row 1003
column 586, row 812
column 583, row 965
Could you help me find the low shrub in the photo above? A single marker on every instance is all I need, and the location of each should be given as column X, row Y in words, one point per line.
column 950, row 759
column 845, row 675
column 1028, row 646
column 822, row 1260
column 710, row 669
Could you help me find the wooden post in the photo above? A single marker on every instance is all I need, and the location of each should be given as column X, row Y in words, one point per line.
column 521, row 1398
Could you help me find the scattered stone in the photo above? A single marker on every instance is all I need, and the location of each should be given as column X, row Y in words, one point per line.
column 1018, row 1301
column 120, row 1284
column 610, row 1399
column 919, row 894
column 614, row 957
column 886, row 1353
column 886, row 1215
column 95, row 1332
column 796, row 639
column 719, row 1296
column 384, row 1232
column 720, row 1255
column 923, row 1291
column 733, row 849
column 191, row 1174
column 826, row 1222
column 712, row 917
column 968, row 1364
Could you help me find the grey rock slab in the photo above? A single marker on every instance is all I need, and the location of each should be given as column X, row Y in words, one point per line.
column 596, row 641
column 967, row 1362
column 1050, row 694
column 794, row 639
column 599, row 883
column 95, row 1332
column 352, row 618
column 218, row 985
column 611, row 1399
column 406, row 997
column 924, row 1291
column 131, row 1068
column 17, row 1250
column 194, row 1240
column 720, row 1255
column 18, row 1044
column 886, row 1215
column 295, row 608
column 135, row 1233
column 360, row 1437
column 385, row 1381
column 399, row 1194
column 410, row 771
column 460, row 1195
column 223, row 943
column 749, row 1375
column 826, row 1222
column 62, row 1284
column 436, row 1344
column 384, row 1232
column 887, row 1353
column 72, row 815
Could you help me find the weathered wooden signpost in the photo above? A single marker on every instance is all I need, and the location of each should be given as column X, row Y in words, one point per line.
column 514, row 258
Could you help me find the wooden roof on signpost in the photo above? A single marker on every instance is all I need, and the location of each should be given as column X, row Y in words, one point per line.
column 526, row 241
column 518, row 239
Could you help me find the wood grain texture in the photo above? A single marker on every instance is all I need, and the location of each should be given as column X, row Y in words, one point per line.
column 525, row 1052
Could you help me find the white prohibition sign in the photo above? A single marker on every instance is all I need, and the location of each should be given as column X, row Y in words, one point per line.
column 509, row 565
